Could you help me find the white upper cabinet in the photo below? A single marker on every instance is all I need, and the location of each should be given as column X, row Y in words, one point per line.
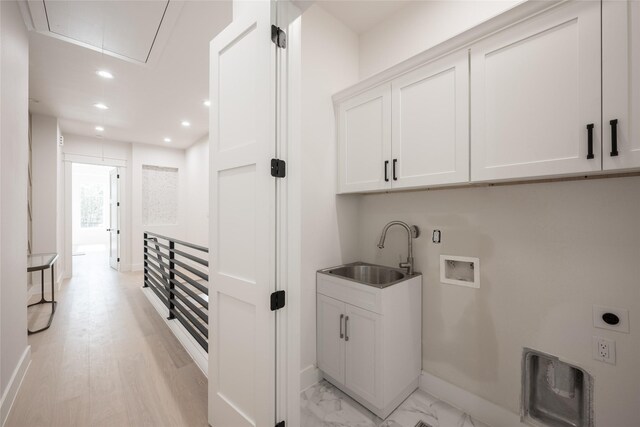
column 430, row 125
column 535, row 92
column 621, row 84
column 364, row 134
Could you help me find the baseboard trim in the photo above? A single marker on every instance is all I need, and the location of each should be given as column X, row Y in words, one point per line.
column 14, row 384
column 197, row 353
column 479, row 408
column 309, row 376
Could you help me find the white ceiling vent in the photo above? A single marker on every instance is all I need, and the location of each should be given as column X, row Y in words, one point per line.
column 134, row 31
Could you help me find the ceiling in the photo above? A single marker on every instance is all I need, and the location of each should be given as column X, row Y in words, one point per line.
column 361, row 15
column 156, row 85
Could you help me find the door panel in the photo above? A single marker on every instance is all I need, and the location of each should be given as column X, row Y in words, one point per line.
column 431, row 123
column 114, row 219
column 330, row 343
column 242, row 203
column 363, row 341
column 621, row 83
column 364, row 136
column 534, row 89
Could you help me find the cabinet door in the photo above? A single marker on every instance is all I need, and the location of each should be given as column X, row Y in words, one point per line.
column 364, row 141
column 534, row 89
column 330, row 344
column 363, row 338
column 621, row 84
column 430, row 131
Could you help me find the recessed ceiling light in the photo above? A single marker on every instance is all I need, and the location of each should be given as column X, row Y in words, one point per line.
column 207, row 103
column 104, row 74
column 167, row 140
column 101, row 106
column 185, row 123
column 99, row 128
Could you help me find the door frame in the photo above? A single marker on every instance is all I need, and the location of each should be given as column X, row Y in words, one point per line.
column 69, row 160
column 118, row 220
column 289, row 218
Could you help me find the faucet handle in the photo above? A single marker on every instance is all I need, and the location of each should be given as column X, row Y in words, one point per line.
column 415, row 231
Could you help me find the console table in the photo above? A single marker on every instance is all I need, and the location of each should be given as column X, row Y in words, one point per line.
column 41, row 262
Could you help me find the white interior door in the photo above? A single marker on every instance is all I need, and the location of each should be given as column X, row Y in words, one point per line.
column 242, row 206
column 114, row 219
column 431, row 124
column 621, row 84
column 535, row 89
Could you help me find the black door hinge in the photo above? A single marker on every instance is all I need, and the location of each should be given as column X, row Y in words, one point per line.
column 118, row 176
column 118, row 204
column 118, row 259
column 279, row 37
column 280, row 424
column 277, row 300
column 118, row 231
column 278, row 168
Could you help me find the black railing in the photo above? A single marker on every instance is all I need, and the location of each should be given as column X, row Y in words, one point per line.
column 178, row 273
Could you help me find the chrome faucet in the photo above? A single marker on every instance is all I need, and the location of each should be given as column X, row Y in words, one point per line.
column 413, row 232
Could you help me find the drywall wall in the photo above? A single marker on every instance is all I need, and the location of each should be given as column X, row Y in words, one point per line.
column 45, row 172
column 197, row 192
column 548, row 252
column 419, row 26
column 85, row 149
column 329, row 63
column 14, row 117
column 150, row 155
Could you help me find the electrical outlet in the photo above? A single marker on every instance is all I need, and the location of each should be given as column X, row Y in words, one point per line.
column 604, row 350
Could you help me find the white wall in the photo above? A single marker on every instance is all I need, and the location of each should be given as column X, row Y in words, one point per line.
column 197, row 192
column 154, row 156
column 548, row 252
column 14, row 72
column 46, row 173
column 329, row 63
column 419, row 26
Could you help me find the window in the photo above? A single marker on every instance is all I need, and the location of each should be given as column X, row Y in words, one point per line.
column 91, row 206
column 159, row 195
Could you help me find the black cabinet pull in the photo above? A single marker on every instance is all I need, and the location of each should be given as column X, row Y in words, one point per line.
column 614, row 137
column 386, row 171
column 590, row 141
column 395, row 161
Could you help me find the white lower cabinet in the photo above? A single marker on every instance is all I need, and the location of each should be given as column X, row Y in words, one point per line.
column 369, row 340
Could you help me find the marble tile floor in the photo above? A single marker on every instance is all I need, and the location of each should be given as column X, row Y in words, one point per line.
column 323, row 405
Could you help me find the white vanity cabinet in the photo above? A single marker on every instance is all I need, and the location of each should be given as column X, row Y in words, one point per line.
column 536, row 96
column 369, row 339
column 407, row 133
column 621, row 84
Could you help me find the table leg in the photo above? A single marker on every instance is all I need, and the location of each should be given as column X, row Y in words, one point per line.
column 53, row 301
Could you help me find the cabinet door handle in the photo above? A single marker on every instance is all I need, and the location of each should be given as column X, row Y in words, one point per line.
column 346, row 330
column 614, row 137
column 341, row 334
column 590, row 141
column 395, row 161
column 386, row 171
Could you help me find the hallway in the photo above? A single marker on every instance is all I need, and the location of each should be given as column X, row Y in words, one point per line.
column 108, row 359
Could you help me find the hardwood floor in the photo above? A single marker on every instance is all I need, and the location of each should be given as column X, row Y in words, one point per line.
column 107, row 360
